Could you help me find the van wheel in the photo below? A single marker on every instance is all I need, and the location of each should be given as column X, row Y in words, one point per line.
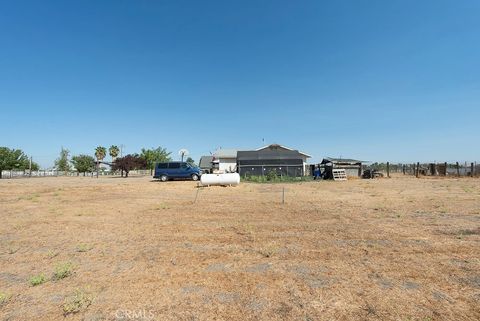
column 163, row 178
column 194, row 177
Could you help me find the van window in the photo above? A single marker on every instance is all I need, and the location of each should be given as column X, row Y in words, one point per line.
column 162, row 165
column 174, row 165
column 184, row 165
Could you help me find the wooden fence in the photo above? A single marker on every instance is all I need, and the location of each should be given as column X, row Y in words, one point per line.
column 418, row 169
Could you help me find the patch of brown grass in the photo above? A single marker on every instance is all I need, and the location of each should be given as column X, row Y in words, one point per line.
column 387, row 249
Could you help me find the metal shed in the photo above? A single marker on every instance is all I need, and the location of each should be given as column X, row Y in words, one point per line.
column 353, row 167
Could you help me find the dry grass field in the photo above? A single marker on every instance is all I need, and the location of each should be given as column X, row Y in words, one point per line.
column 133, row 249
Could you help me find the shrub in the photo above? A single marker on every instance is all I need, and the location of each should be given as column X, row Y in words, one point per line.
column 37, row 280
column 274, row 178
column 51, row 254
column 271, row 175
column 63, row 270
column 76, row 302
column 4, row 297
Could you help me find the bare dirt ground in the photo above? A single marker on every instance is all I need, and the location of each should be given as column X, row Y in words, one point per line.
column 132, row 249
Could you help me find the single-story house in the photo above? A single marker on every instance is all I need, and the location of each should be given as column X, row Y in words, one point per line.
column 225, row 160
column 283, row 160
column 353, row 167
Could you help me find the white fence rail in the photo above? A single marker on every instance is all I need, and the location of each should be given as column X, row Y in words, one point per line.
column 6, row 174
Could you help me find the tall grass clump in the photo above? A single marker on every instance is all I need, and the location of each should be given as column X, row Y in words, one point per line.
column 273, row 177
column 63, row 270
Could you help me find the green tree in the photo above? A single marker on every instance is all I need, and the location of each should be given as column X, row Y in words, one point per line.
column 35, row 166
column 113, row 151
column 155, row 155
column 13, row 159
column 128, row 163
column 190, row 160
column 100, row 153
column 83, row 163
column 61, row 163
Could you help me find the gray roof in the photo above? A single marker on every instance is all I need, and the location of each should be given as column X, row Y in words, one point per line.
column 341, row 160
column 226, row 153
column 276, row 146
column 269, row 154
column 205, row 162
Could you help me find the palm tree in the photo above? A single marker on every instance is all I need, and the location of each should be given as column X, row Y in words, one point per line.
column 113, row 151
column 100, row 153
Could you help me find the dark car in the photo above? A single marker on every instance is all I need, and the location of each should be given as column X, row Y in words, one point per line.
column 173, row 170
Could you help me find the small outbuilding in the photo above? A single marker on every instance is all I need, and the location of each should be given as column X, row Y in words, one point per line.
column 282, row 160
column 206, row 164
column 352, row 167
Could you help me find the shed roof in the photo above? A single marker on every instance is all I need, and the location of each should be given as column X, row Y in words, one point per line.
column 341, row 160
column 269, row 154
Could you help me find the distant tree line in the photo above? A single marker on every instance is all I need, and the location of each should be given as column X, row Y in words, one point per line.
column 383, row 167
column 15, row 159
column 86, row 164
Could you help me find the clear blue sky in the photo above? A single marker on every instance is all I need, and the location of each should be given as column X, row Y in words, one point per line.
column 374, row 80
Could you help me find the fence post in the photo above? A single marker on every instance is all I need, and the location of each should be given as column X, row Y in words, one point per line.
column 403, row 169
column 472, row 169
column 283, row 195
column 458, row 169
column 445, row 171
column 418, row 170
column 196, row 195
column 388, row 169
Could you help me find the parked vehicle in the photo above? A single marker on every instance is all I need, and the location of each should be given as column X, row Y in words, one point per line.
column 176, row 170
column 371, row 173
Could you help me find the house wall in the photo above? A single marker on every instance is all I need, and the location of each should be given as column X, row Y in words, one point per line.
column 227, row 164
column 350, row 170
